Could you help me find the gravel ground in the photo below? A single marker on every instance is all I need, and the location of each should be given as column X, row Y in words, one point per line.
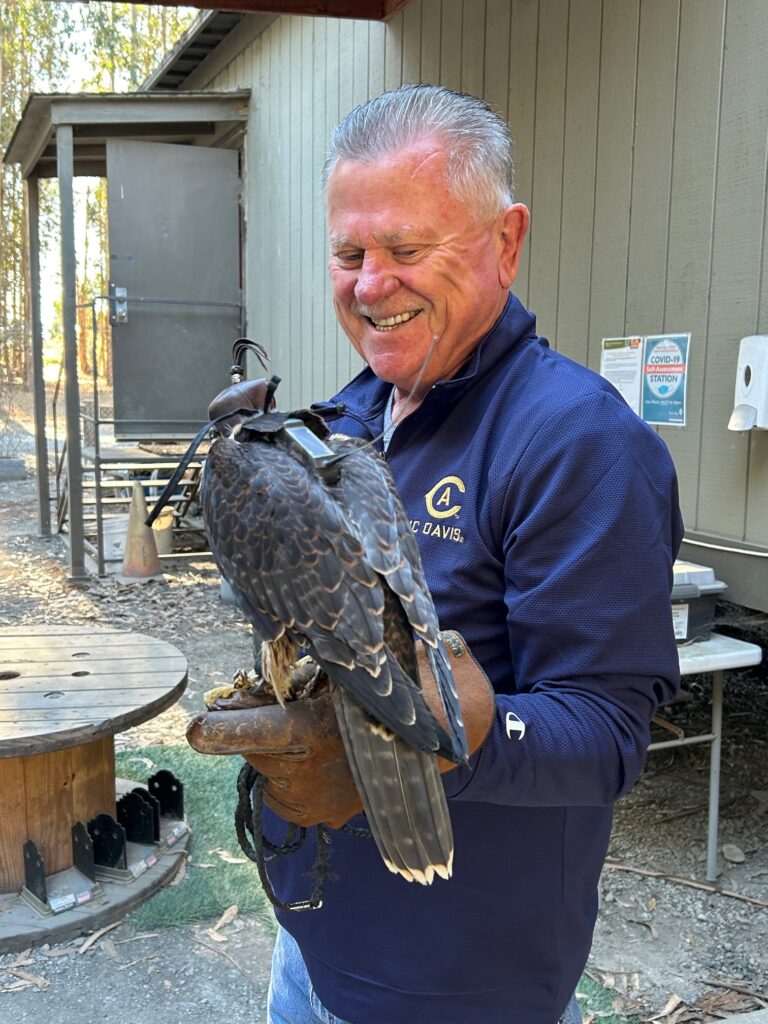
column 671, row 951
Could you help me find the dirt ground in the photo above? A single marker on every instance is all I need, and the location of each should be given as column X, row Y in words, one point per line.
column 675, row 953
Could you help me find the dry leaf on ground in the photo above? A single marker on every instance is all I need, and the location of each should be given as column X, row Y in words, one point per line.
column 227, row 917
column 230, row 858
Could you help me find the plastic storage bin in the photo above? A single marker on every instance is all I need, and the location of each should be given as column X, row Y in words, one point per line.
column 694, row 596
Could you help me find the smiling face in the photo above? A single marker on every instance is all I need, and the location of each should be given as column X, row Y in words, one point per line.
column 409, row 263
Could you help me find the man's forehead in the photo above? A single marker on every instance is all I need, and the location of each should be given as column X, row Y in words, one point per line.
column 385, row 239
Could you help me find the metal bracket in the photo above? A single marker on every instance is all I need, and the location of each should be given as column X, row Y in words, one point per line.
column 136, row 816
column 82, row 851
column 118, row 304
column 34, row 871
column 169, row 791
column 108, row 841
column 147, row 797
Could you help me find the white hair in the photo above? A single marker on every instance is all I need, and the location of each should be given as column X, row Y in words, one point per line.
column 477, row 140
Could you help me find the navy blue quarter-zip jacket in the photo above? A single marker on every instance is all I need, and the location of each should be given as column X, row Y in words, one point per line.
column 547, row 517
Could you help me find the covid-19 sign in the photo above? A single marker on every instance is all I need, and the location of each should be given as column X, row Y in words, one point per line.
column 665, row 370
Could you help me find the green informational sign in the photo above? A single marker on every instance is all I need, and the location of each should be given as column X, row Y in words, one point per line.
column 665, row 379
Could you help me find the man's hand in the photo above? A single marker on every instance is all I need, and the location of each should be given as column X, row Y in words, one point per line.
column 299, row 749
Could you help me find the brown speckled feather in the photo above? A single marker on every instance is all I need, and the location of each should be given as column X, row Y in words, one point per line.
column 335, row 568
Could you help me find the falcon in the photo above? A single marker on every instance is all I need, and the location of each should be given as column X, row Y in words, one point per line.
column 308, row 530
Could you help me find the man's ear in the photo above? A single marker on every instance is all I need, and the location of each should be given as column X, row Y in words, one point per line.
column 513, row 228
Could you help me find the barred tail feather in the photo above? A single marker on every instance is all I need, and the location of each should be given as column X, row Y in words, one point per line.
column 402, row 795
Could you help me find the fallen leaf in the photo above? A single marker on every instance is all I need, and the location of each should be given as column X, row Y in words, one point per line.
column 31, row 979
column 711, row 1002
column 110, row 948
column 216, row 936
column 96, row 936
column 145, row 761
column 671, row 1004
column 15, row 986
column 645, row 924
column 227, row 917
column 733, row 853
column 229, row 858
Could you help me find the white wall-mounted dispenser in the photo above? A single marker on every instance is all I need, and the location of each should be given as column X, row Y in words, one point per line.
column 750, row 404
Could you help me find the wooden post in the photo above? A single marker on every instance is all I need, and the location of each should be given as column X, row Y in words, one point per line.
column 38, row 380
column 66, row 170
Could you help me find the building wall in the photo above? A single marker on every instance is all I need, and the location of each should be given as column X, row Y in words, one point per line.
column 641, row 132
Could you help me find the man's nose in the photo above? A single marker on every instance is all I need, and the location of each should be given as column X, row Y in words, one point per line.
column 376, row 280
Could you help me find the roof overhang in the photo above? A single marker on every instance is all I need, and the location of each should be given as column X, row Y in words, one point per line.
column 191, row 118
column 217, row 36
column 212, row 40
column 364, row 10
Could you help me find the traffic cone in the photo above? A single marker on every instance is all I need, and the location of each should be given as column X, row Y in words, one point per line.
column 141, row 561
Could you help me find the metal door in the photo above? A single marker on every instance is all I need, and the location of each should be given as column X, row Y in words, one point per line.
column 174, row 244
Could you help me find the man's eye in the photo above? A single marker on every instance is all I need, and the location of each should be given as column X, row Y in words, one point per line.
column 349, row 258
column 407, row 254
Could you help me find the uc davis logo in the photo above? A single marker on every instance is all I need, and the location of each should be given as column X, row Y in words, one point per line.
column 441, row 501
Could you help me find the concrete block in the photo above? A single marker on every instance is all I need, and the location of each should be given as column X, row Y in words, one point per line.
column 12, row 469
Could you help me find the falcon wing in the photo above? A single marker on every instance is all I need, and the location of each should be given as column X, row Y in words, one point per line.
column 369, row 496
column 299, row 566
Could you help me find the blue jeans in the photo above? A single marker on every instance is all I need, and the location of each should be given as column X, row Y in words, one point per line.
column 292, row 1000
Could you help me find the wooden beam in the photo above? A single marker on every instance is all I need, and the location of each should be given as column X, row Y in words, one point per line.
column 38, row 381
column 66, row 171
column 393, row 6
column 362, row 10
column 148, row 109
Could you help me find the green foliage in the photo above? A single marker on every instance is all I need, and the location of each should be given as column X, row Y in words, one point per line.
column 45, row 47
column 128, row 41
column 210, row 884
column 34, row 51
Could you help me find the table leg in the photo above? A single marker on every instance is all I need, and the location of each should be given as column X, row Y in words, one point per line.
column 714, row 774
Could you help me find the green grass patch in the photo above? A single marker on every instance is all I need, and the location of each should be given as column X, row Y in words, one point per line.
column 597, row 1002
column 210, row 884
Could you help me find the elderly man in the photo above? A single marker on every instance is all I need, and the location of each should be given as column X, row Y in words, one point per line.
column 547, row 518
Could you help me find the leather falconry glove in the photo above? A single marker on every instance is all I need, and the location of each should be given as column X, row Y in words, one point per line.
column 299, row 749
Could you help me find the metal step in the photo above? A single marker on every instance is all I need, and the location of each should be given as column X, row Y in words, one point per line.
column 128, row 483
